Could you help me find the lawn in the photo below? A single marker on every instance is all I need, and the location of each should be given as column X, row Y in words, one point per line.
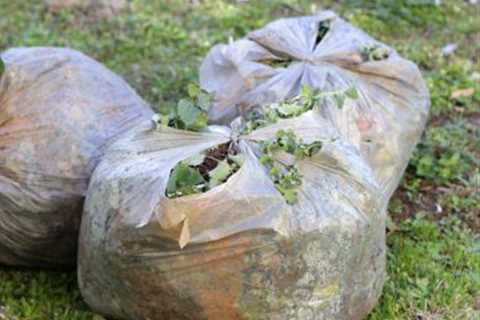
column 434, row 230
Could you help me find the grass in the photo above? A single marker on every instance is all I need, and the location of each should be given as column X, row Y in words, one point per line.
column 433, row 234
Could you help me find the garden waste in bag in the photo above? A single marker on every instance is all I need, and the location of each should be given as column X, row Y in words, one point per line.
column 242, row 249
column 58, row 107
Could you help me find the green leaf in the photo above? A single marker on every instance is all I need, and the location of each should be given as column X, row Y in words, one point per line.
column 204, row 101
column 201, row 122
column 2, row 66
column 340, row 100
column 266, row 160
column 187, row 112
column 191, row 116
column 289, row 109
column 306, row 91
column 184, row 180
column 275, row 173
column 352, row 93
column 380, row 54
column 272, row 116
column 313, row 148
column 237, row 158
column 221, row 172
column 287, row 141
column 290, row 195
column 193, row 90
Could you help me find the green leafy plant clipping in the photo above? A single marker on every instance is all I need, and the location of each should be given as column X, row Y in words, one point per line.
column 184, row 180
column 290, row 108
column 2, row 67
column 279, row 155
column 189, row 114
column 374, row 52
column 204, row 171
column 284, row 173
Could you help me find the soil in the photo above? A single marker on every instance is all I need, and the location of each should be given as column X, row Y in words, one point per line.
column 214, row 156
column 426, row 200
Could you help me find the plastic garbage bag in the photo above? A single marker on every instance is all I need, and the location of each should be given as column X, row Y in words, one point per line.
column 58, row 107
column 246, row 253
column 239, row 251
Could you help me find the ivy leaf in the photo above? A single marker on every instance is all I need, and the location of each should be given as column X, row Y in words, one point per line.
column 340, row 100
column 204, row 101
column 191, row 116
column 2, row 66
column 313, row 148
column 184, row 180
column 266, row 160
column 352, row 93
column 221, row 172
column 380, row 54
column 306, row 91
column 238, row 159
column 201, row 121
column 374, row 52
column 289, row 194
column 272, row 116
column 193, row 90
column 289, row 109
column 286, row 140
column 187, row 112
column 184, row 175
column 275, row 173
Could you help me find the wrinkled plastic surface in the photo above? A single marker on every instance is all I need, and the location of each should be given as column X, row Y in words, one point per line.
column 239, row 251
column 57, row 109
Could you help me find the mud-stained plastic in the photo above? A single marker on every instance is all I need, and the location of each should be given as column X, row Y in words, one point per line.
column 58, row 108
column 239, row 251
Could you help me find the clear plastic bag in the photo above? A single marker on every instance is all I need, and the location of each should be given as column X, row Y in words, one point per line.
column 57, row 109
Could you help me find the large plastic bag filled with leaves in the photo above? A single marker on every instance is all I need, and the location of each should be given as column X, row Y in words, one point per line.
column 58, row 107
column 280, row 213
column 329, row 54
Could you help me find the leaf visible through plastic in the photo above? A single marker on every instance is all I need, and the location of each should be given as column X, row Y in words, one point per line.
column 289, row 108
column 2, row 66
column 221, row 172
column 374, row 52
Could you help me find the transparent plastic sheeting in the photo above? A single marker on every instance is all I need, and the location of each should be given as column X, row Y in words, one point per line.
column 57, row 109
column 239, row 251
